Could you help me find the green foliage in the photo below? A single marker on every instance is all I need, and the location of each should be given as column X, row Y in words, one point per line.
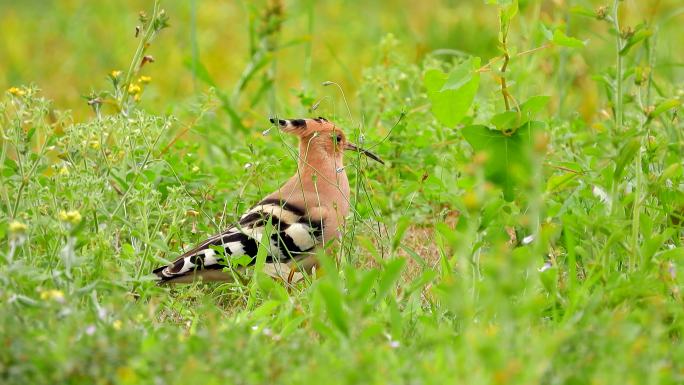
column 507, row 153
column 511, row 237
column 452, row 94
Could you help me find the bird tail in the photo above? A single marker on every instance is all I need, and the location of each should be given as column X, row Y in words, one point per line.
column 290, row 272
column 206, row 275
column 294, row 237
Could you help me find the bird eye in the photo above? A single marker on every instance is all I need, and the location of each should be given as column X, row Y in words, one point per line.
column 337, row 138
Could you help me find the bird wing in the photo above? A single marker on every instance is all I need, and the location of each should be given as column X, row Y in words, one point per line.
column 293, row 234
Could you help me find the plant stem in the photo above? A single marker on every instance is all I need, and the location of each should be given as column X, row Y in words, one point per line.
column 137, row 58
column 504, row 88
column 618, row 69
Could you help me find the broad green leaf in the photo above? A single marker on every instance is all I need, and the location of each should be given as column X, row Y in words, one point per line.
column 243, row 260
column 560, row 38
column 452, row 94
column 508, row 120
column 389, row 276
column 507, row 156
column 626, row 155
column 458, row 77
column 362, row 288
column 533, row 106
column 332, row 298
column 505, row 120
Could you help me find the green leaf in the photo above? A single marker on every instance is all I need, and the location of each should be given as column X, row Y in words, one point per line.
column 362, row 288
column 508, row 10
column 533, row 106
column 505, row 120
column 664, row 106
column 332, row 298
column 639, row 35
column 560, row 38
column 389, row 276
column 264, row 248
column 265, row 310
column 508, row 120
column 453, row 94
column 402, row 225
column 626, row 155
column 672, row 254
column 423, row 279
column 269, row 286
column 262, row 252
column 507, row 155
column 557, row 182
column 243, row 260
column 458, row 77
column 583, row 11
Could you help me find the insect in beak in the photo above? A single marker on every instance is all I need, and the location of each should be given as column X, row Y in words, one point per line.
column 352, row 147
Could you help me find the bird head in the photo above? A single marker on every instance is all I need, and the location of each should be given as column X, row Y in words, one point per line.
column 320, row 133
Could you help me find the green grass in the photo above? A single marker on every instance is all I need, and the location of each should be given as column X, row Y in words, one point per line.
column 540, row 243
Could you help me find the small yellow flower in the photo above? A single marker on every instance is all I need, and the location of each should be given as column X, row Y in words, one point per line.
column 115, row 73
column 136, row 97
column 471, row 201
column 17, row 227
column 55, row 295
column 144, row 79
column 117, row 324
column 64, row 171
column 73, row 216
column 94, row 144
column 134, row 89
column 16, row 91
column 195, row 169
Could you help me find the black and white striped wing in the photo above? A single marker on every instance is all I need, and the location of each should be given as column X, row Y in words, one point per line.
column 293, row 234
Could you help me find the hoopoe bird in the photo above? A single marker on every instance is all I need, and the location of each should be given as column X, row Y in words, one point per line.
column 304, row 213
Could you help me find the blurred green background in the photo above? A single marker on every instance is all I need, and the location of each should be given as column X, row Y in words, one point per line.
column 68, row 47
column 595, row 298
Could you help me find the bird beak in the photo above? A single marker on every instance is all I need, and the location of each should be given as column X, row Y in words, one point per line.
column 352, row 147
